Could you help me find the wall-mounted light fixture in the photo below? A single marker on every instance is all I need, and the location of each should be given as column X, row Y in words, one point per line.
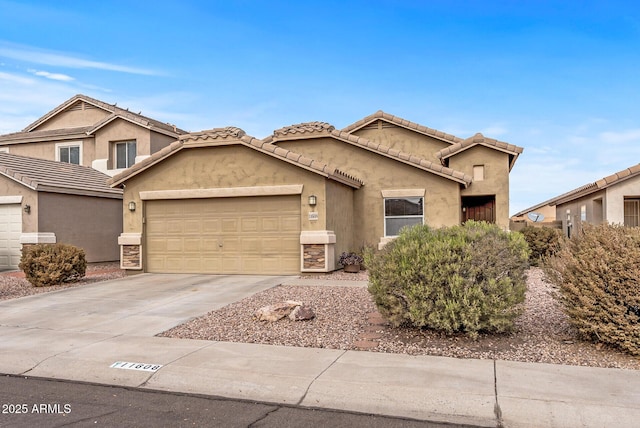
column 313, row 200
column 132, row 206
column 27, row 209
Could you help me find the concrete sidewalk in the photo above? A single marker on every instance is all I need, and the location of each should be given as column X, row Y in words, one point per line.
column 483, row 393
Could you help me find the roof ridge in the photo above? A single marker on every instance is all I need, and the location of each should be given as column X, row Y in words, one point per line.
column 113, row 108
column 309, row 128
column 450, row 138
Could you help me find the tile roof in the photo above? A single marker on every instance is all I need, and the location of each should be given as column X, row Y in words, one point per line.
column 46, row 134
column 407, row 158
column 380, row 115
column 320, row 129
column 57, row 177
column 595, row 186
column 116, row 111
column 233, row 135
column 480, row 139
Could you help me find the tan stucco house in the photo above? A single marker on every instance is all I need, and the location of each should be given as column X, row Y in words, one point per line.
column 220, row 201
column 85, row 131
column 44, row 201
column 614, row 199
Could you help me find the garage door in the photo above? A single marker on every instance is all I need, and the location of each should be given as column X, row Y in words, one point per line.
column 10, row 231
column 247, row 235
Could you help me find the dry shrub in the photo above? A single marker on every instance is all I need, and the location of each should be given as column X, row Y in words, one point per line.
column 543, row 243
column 598, row 274
column 52, row 264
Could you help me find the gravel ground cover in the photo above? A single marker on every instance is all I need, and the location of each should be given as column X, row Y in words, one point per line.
column 346, row 318
column 14, row 285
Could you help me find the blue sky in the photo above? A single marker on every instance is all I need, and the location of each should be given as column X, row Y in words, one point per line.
column 559, row 78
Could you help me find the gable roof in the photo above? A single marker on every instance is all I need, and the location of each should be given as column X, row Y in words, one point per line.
column 57, row 177
column 323, row 129
column 116, row 112
column 380, row 115
column 480, row 139
column 232, row 135
column 595, row 186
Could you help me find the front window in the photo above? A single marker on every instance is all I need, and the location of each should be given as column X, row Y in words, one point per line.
column 632, row 212
column 401, row 212
column 125, row 154
column 70, row 154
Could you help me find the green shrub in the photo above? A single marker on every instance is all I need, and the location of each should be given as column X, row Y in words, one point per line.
column 543, row 242
column 467, row 278
column 52, row 264
column 599, row 279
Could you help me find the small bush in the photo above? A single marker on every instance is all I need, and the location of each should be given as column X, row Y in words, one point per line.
column 599, row 279
column 467, row 278
column 543, row 243
column 52, row 264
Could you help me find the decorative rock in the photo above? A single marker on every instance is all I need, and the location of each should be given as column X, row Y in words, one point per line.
column 302, row 313
column 277, row 311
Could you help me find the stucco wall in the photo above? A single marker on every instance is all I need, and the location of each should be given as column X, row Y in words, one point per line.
column 226, row 166
column 615, row 198
column 158, row 142
column 403, row 139
column 47, row 149
column 442, row 198
column 11, row 188
column 91, row 223
column 75, row 118
column 595, row 204
column 496, row 177
column 121, row 130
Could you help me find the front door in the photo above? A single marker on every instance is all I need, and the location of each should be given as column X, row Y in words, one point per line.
column 479, row 208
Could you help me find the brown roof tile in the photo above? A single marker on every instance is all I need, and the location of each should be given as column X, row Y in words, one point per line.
column 308, row 128
column 402, row 156
column 234, row 135
column 116, row 112
column 380, row 115
column 479, row 139
column 56, row 177
column 48, row 134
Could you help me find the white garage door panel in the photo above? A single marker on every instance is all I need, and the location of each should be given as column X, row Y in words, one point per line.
column 249, row 235
column 10, row 231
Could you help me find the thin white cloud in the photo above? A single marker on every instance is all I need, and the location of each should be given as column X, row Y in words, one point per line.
column 57, row 59
column 628, row 136
column 53, row 76
column 494, row 131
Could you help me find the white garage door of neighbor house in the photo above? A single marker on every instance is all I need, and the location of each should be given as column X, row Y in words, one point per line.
column 243, row 235
column 10, row 231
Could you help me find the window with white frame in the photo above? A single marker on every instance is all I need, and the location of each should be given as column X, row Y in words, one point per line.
column 401, row 212
column 4, row 149
column 69, row 152
column 125, row 153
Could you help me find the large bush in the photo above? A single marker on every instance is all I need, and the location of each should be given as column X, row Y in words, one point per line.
column 52, row 264
column 543, row 242
column 467, row 278
column 598, row 275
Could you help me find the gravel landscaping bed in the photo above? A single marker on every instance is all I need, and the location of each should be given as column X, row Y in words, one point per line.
column 346, row 318
column 14, row 285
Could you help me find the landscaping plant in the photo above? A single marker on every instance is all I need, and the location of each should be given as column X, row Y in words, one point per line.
column 543, row 242
column 599, row 279
column 469, row 278
column 52, row 264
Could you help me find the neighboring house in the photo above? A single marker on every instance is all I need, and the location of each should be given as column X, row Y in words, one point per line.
column 44, row 201
column 542, row 214
column 89, row 132
column 220, row 201
column 614, row 199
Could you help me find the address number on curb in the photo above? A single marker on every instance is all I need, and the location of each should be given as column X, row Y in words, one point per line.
column 135, row 366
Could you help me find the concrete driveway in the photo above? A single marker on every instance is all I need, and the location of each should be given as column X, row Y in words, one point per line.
column 139, row 305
